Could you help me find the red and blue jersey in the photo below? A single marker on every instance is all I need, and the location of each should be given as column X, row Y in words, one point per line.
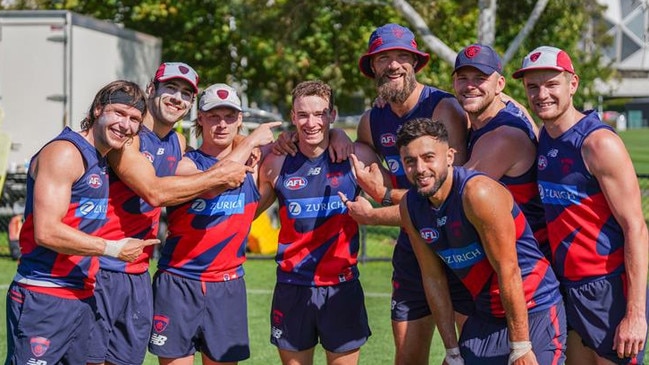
column 524, row 188
column 131, row 216
column 384, row 124
column 450, row 234
column 44, row 270
column 318, row 240
column 208, row 236
column 585, row 238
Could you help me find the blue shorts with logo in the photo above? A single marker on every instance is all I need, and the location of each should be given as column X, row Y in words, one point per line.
column 335, row 315
column 408, row 296
column 124, row 311
column 192, row 315
column 594, row 309
column 485, row 341
column 45, row 329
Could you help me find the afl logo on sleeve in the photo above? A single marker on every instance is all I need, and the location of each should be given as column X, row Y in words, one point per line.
column 148, row 156
column 388, row 140
column 429, row 235
column 543, row 163
column 295, row 183
column 95, row 181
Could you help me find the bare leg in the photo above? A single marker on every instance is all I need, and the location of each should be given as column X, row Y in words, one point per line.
column 187, row 360
column 343, row 358
column 576, row 352
column 297, row 357
column 412, row 340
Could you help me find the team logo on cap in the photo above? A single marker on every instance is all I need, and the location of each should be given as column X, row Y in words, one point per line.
column 160, row 323
column 183, row 69
column 39, row 345
column 398, row 32
column 222, row 93
column 472, row 51
column 535, row 56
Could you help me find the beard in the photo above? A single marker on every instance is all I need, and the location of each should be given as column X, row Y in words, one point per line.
column 393, row 94
column 430, row 191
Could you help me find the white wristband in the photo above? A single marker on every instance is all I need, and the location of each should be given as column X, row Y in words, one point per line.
column 113, row 248
column 453, row 356
column 518, row 349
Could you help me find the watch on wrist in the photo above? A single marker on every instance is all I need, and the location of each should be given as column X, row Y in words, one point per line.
column 387, row 198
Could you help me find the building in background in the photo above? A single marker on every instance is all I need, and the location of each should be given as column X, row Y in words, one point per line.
column 628, row 24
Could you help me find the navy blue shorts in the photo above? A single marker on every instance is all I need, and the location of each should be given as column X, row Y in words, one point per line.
column 408, row 296
column 123, row 324
column 192, row 315
column 44, row 329
column 486, row 341
column 300, row 315
column 594, row 310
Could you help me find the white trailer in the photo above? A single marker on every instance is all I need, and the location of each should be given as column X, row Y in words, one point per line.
column 52, row 63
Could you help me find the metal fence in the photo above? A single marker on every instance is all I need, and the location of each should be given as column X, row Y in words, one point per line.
column 13, row 199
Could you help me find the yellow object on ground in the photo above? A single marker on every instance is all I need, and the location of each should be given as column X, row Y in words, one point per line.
column 263, row 236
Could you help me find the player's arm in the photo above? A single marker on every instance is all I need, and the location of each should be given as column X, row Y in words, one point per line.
column 451, row 114
column 58, row 166
column 268, row 173
column 135, row 170
column 488, row 205
column 434, row 281
column 607, row 159
column 261, row 136
column 503, row 151
column 371, row 177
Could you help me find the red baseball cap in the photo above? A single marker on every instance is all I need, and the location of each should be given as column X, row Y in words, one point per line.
column 545, row 58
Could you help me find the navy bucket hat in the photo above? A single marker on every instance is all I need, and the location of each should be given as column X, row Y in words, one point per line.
column 389, row 37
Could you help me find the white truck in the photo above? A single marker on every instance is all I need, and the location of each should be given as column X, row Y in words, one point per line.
column 52, row 63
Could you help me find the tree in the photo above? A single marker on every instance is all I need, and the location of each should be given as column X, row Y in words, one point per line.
column 268, row 46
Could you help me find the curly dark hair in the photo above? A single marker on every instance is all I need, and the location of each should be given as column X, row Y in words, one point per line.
column 419, row 127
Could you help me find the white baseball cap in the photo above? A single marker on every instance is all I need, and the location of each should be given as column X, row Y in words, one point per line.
column 219, row 95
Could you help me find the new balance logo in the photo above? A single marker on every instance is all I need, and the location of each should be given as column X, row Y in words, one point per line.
column 158, row 340
column 33, row 361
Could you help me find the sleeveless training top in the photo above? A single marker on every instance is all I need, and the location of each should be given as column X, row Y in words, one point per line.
column 128, row 214
column 208, row 236
column 586, row 240
column 449, row 233
column 50, row 272
column 318, row 240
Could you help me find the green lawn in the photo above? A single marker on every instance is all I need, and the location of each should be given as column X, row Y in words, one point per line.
column 637, row 143
column 260, row 279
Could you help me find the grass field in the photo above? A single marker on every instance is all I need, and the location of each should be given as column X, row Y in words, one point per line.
column 260, row 279
column 375, row 276
column 637, row 143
